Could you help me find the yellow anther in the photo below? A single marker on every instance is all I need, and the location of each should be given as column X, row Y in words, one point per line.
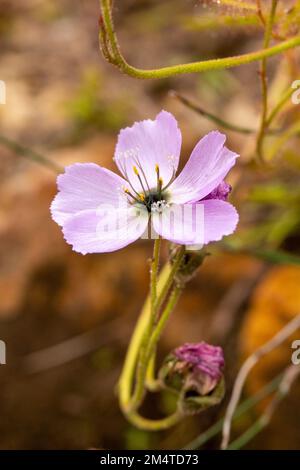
column 142, row 197
column 136, row 171
column 157, row 168
column 161, row 182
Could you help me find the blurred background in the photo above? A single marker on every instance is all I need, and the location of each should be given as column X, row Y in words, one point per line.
column 66, row 319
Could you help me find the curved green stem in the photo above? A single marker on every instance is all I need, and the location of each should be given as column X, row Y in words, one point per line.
column 145, row 357
column 126, row 378
column 164, row 282
column 154, row 425
column 193, row 67
column 152, row 383
column 141, row 372
column 163, row 320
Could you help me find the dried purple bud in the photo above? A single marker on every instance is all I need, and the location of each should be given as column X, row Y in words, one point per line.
column 220, row 192
column 195, row 371
column 205, row 361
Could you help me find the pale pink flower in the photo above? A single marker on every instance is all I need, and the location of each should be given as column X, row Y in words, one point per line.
column 100, row 211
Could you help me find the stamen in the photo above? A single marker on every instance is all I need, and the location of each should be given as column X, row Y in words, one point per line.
column 158, row 179
column 126, row 190
column 128, row 181
column 159, row 186
column 132, row 154
column 140, row 179
column 171, row 180
column 142, row 171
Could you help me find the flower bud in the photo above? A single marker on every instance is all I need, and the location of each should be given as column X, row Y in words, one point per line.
column 222, row 192
column 195, row 371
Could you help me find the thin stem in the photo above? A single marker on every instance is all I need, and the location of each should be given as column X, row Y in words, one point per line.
column 154, row 272
column 30, row 154
column 193, row 67
column 248, row 435
column 246, row 368
column 163, row 320
column 279, row 106
column 104, row 46
column 138, row 394
column 140, row 385
column 212, row 117
column 278, row 146
column 264, row 84
column 289, row 377
column 175, row 266
column 245, row 406
column 259, row 11
column 152, row 383
column 164, row 283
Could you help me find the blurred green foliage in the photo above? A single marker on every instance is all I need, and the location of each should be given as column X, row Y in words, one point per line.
column 90, row 111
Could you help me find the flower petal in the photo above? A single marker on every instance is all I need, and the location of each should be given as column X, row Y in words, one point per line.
column 146, row 144
column 220, row 219
column 206, row 168
column 196, row 224
column 85, row 186
column 182, row 224
column 105, row 230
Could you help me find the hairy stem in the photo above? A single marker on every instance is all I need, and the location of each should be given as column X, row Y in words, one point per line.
column 193, row 67
column 140, row 376
column 145, row 357
column 164, row 283
column 175, row 266
column 126, row 378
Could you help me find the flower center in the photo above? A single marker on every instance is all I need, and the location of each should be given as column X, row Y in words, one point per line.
column 153, row 199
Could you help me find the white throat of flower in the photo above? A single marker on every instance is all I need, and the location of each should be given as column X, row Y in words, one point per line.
column 159, row 206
